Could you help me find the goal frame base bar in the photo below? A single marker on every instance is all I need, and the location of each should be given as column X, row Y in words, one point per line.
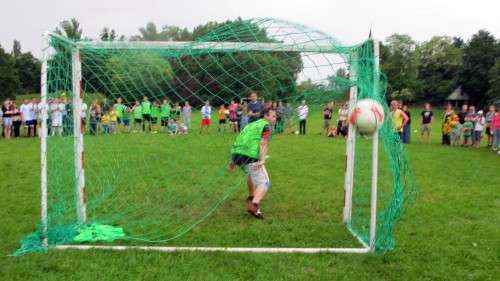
column 363, row 250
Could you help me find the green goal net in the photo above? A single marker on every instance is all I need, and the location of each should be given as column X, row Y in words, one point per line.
column 142, row 171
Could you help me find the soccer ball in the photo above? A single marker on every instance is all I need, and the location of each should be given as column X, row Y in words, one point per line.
column 367, row 116
column 296, row 132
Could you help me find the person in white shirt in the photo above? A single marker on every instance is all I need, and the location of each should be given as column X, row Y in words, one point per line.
column 303, row 111
column 84, row 116
column 478, row 129
column 27, row 113
column 56, row 113
column 34, row 117
column 206, row 116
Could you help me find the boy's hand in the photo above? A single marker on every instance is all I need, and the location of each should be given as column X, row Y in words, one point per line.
column 259, row 164
column 232, row 166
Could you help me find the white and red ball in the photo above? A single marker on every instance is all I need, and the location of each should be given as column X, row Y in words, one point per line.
column 367, row 116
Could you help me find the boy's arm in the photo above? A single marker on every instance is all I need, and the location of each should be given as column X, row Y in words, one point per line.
column 264, row 144
column 405, row 117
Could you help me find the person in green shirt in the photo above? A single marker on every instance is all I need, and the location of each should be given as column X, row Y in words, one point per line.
column 467, row 128
column 249, row 152
column 164, row 114
column 137, row 111
column 120, row 109
column 146, row 113
column 126, row 118
column 155, row 113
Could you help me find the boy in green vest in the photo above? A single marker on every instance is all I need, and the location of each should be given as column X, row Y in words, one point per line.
column 164, row 114
column 146, row 113
column 120, row 110
column 155, row 113
column 137, row 111
column 249, row 152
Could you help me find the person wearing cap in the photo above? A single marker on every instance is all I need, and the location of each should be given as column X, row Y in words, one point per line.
column 478, row 129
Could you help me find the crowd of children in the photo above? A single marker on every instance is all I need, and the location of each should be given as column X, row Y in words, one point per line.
column 463, row 128
column 466, row 127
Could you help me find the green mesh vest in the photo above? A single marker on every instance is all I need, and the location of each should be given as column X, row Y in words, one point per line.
column 248, row 142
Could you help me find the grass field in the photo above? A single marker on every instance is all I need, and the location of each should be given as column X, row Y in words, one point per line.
column 452, row 232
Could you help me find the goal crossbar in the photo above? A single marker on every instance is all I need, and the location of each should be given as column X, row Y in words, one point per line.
column 207, row 46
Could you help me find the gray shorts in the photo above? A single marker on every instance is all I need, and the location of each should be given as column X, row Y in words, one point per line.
column 259, row 176
column 326, row 124
column 425, row 128
column 7, row 121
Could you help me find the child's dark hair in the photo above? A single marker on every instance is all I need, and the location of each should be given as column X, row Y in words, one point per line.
column 267, row 111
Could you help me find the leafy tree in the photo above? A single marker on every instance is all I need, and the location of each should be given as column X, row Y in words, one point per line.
column 28, row 71
column 221, row 76
column 440, row 62
column 479, row 57
column 9, row 81
column 493, row 93
column 107, row 34
column 70, row 28
column 404, row 95
column 399, row 61
column 16, row 48
column 136, row 74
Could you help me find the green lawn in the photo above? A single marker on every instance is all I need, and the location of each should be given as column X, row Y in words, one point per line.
column 452, row 232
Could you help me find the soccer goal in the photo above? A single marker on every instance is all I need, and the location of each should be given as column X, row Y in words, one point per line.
column 131, row 167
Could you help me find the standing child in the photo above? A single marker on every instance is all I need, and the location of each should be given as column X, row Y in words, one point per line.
column 155, row 113
column 407, row 126
column 146, row 114
column 113, row 121
column 164, row 114
column 455, row 129
column 478, row 129
column 137, row 109
column 488, row 119
column 233, row 116
column 105, row 121
column 426, row 124
column 467, row 131
column 120, row 111
column 222, row 119
column 186, row 115
column 495, row 127
column 327, row 118
column 126, row 118
column 206, row 115
column 57, row 118
column 16, row 121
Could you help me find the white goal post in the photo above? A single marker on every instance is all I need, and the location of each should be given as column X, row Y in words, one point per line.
column 81, row 213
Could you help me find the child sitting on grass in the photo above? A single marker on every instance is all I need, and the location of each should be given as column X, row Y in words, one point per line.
column 172, row 127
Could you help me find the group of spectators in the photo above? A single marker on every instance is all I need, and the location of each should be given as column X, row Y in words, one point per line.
column 463, row 128
column 14, row 117
column 235, row 116
column 466, row 127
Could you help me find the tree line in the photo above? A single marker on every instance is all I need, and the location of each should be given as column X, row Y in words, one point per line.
column 416, row 71
column 430, row 71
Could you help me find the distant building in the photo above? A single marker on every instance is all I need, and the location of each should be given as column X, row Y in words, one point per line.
column 458, row 97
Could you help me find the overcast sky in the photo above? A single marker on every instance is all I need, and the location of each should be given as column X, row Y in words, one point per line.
column 348, row 20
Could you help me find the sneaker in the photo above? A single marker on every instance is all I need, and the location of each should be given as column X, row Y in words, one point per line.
column 256, row 212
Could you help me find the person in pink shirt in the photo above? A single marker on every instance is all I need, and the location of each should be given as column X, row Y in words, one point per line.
column 233, row 116
column 495, row 128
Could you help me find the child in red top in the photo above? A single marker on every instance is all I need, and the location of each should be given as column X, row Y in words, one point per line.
column 495, row 128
